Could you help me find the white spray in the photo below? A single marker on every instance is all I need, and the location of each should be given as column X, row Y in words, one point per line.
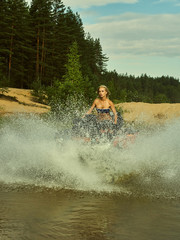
column 31, row 155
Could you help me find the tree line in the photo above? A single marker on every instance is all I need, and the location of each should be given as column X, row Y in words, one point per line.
column 124, row 88
column 44, row 46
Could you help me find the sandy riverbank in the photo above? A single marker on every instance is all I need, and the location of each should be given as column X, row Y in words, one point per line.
column 151, row 113
column 22, row 101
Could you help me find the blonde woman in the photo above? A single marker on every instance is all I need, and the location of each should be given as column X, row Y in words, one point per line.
column 103, row 106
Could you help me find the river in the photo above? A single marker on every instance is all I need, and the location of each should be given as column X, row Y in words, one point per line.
column 79, row 191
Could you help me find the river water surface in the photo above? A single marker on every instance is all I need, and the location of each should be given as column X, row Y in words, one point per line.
column 74, row 215
column 50, row 190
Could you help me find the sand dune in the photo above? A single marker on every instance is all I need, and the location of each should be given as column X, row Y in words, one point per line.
column 151, row 113
column 22, row 101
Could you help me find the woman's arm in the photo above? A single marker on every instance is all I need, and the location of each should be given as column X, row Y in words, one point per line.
column 92, row 107
column 114, row 111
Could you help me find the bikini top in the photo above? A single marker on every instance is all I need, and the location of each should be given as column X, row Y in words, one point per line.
column 104, row 110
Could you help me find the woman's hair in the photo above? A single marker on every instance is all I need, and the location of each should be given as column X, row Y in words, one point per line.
column 107, row 90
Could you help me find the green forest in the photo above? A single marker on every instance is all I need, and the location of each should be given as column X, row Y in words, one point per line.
column 44, row 47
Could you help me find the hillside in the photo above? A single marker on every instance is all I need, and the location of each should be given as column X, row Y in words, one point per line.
column 20, row 101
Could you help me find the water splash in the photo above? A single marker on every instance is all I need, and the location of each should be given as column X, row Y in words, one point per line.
column 30, row 154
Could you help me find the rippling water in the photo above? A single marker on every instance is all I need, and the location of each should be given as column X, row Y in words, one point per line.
column 48, row 214
column 80, row 191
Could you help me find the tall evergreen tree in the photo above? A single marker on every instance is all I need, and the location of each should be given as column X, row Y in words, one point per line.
column 60, row 43
column 14, row 23
column 3, row 36
column 72, row 81
column 41, row 13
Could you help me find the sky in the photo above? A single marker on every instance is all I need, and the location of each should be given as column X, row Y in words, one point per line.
column 138, row 36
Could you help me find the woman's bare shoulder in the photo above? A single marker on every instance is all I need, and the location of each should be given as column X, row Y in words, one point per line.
column 110, row 102
column 96, row 100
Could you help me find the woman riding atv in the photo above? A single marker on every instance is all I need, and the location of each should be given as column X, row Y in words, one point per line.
column 102, row 124
column 103, row 106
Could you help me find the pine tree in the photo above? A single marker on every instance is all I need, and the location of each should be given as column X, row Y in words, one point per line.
column 41, row 14
column 59, row 40
column 14, row 22
column 3, row 27
column 73, row 82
